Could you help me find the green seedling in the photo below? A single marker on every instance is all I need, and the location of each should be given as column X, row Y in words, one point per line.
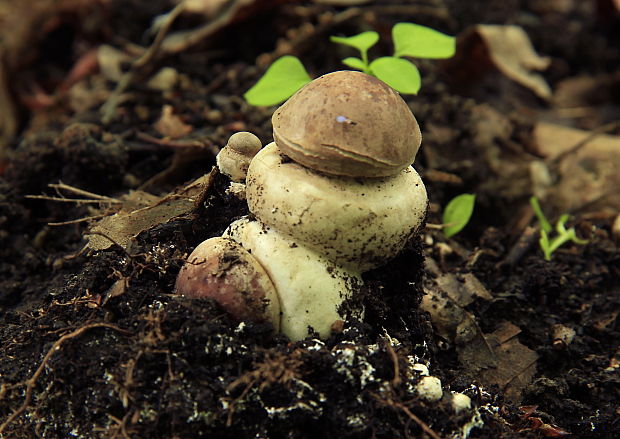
column 457, row 213
column 550, row 244
column 287, row 74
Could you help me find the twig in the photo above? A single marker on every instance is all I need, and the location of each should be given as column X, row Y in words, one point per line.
column 523, row 244
column 390, row 350
column 108, row 109
column 61, row 186
column 206, row 143
column 94, row 198
column 32, row 381
column 77, row 221
column 70, row 200
column 182, row 40
column 597, row 132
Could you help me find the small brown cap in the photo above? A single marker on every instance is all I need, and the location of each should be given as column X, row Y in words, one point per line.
column 348, row 123
column 233, row 160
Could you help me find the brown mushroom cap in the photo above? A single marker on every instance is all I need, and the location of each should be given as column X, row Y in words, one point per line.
column 348, row 123
column 233, row 160
column 222, row 270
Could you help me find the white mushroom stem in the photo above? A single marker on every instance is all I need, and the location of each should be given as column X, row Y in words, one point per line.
column 358, row 223
column 311, row 289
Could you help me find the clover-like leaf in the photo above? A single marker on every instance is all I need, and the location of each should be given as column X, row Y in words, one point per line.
column 361, row 42
column 457, row 213
column 398, row 73
column 281, row 80
column 421, row 42
column 354, row 63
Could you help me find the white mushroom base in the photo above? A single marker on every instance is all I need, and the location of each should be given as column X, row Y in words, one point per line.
column 311, row 288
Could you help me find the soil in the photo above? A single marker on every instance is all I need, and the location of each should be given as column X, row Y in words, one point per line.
column 96, row 345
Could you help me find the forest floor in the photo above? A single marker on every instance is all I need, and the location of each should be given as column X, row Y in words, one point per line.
column 95, row 125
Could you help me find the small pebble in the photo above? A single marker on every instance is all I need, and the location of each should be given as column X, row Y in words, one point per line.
column 429, row 388
column 460, row 402
column 421, row 368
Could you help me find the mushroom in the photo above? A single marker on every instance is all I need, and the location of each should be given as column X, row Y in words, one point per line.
column 233, row 160
column 310, row 288
column 222, row 270
column 348, row 123
column 334, row 196
column 358, row 223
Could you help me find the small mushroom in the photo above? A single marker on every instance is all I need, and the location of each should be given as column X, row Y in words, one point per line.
column 233, row 160
column 310, row 287
column 348, row 123
column 222, row 270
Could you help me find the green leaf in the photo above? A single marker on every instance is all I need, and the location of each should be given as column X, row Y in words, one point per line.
column 361, row 42
column 398, row 73
column 421, row 42
column 281, row 80
column 354, row 63
column 457, row 213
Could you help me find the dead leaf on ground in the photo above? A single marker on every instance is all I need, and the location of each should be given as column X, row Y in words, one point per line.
column 503, row 48
column 171, row 125
column 589, row 99
column 589, row 176
column 462, row 288
column 516, row 363
column 495, row 359
column 118, row 288
column 445, row 299
column 121, row 227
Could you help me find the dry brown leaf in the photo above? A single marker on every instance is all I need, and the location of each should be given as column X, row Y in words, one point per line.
column 505, row 48
column 461, row 288
column 575, row 96
column 516, row 363
column 589, row 176
column 495, row 359
column 444, row 300
column 170, row 125
column 133, row 218
column 118, row 288
column 512, row 53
